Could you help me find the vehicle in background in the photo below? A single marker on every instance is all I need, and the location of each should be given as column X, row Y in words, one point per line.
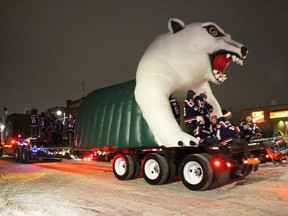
column 276, row 147
column 17, row 142
column 17, row 126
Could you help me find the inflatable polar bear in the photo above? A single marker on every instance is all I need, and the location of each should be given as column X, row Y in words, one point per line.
column 186, row 57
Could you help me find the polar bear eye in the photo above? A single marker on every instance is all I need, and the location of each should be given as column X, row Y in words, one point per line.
column 212, row 30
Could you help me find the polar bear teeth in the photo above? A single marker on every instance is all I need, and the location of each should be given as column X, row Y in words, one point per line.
column 235, row 59
column 228, row 55
column 220, row 76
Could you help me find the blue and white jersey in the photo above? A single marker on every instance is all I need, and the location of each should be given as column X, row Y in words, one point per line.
column 225, row 130
column 175, row 108
column 191, row 111
column 249, row 129
column 34, row 120
column 202, row 133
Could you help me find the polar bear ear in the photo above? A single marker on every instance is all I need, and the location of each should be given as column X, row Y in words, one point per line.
column 175, row 25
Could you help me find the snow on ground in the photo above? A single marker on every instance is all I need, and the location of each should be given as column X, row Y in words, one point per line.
column 77, row 188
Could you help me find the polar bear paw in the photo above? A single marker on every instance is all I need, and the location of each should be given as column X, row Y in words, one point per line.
column 181, row 139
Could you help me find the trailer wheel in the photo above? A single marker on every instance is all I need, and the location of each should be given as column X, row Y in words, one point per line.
column 17, row 155
column 123, row 166
column 250, row 169
column 137, row 168
column 245, row 170
column 155, row 169
column 196, row 172
column 25, row 156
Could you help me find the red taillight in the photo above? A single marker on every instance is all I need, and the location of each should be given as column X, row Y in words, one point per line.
column 229, row 165
column 267, row 156
column 217, row 163
column 13, row 141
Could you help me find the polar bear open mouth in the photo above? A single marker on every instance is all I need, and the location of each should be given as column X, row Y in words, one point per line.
column 220, row 61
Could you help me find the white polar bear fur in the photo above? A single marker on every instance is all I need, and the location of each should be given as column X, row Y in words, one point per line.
column 173, row 64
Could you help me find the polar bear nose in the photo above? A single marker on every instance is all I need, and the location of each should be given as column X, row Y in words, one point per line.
column 244, row 51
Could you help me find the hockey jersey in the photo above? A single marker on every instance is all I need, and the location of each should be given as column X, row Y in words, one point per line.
column 202, row 133
column 33, row 120
column 249, row 129
column 175, row 108
column 191, row 111
column 225, row 130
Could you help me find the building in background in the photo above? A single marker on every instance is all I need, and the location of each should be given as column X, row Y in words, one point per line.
column 270, row 117
column 73, row 106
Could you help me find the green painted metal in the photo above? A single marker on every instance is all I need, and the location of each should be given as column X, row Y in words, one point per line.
column 110, row 117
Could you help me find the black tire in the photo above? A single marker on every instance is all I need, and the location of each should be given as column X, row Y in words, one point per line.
column 25, row 157
column 123, row 166
column 137, row 168
column 221, row 175
column 155, row 169
column 249, row 170
column 172, row 171
column 196, row 172
column 245, row 170
column 17, row 155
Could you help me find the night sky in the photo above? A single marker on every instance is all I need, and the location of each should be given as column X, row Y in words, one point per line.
column 48, row 48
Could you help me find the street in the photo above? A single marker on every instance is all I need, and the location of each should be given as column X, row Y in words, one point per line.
column 90, row 188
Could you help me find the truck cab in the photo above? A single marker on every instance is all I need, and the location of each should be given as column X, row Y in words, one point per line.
column 17, row 126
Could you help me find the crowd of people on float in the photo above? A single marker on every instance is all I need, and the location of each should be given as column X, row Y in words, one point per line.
column 48, row 126
column 215, row 129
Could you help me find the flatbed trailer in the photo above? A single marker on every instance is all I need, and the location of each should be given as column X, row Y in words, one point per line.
column 110, row 125
column 31, row 150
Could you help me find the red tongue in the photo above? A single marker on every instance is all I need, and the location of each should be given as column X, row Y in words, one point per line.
column 221, row 62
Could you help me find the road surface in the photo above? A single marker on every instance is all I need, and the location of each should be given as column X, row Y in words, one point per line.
column 90, row 188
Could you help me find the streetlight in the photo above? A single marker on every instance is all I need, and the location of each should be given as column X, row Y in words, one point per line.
column 59, row 113
column 2, row 127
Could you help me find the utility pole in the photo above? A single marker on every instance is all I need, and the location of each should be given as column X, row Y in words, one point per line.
column 83, row 89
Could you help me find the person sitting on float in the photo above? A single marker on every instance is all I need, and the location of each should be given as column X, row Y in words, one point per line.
column 249, row 129
column 226, row 134
column 203, row 133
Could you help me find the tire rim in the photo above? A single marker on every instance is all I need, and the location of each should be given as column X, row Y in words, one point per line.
column 120, row 166
column 193, row 172
column 152, row 169
column 16, row 155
